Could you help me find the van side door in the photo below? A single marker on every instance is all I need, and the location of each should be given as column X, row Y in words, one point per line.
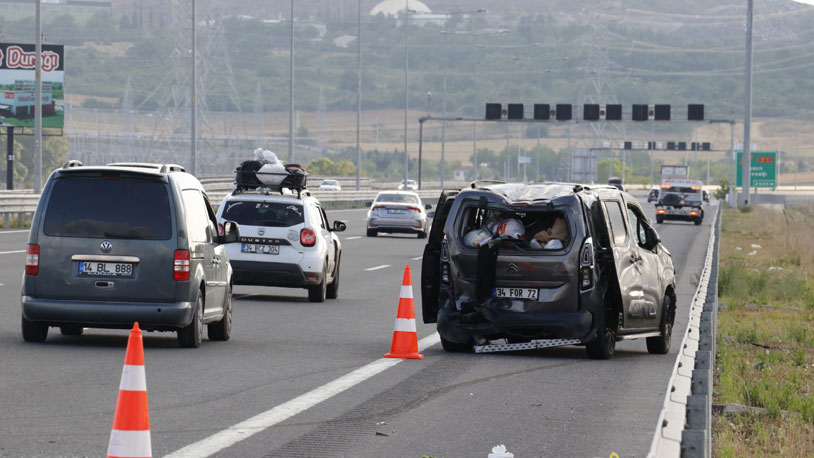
column 626, row 259
column 648, row 265
column 431, row 261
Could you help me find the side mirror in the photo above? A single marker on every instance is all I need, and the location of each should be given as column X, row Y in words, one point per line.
column 368, row 204
column 653, row 238
column 428, row 207
column 339, row 226
column 231, row 232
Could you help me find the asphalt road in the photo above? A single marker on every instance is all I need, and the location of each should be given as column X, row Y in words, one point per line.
column 57, row 399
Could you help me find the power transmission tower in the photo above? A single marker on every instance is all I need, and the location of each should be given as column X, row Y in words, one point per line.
column 216, row 81
column 597, row 88
column 258, row 112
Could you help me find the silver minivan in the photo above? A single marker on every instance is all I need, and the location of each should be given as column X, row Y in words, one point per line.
column 124, row 243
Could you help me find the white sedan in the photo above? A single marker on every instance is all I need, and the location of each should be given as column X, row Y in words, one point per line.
column 408, row 185
column 330, row 185
column 397, row 212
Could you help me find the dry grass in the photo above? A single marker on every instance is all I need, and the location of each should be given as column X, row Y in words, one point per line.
column 766, row 333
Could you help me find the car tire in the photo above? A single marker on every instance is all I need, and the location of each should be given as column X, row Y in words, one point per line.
column 697, row 221
column 222, row 330
column 455, row 347
column 372, row 233
column 317, row 293
column 604, row 346
column 333, row 288
column 34, row 331
column 659, row 220
column 190, row 336
column 422, row 235
column 71, row 330
column 661, row 345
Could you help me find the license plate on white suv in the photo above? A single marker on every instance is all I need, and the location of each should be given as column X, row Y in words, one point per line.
column 105, row 269
column 260, row 248
column 529, row 294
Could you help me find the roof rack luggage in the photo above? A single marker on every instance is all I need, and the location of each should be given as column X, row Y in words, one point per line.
column 252, row 175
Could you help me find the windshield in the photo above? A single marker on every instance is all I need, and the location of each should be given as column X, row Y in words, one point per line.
column 253, row 213
column 330, row 182
column 405, row 198
column 114, row 208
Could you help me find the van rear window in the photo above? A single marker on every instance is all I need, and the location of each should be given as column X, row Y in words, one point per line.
column 254, row 213
column 527, row 230
column 114, row 208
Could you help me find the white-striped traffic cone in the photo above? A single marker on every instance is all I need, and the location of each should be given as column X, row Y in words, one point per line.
column 405, row 338
column 130, row 436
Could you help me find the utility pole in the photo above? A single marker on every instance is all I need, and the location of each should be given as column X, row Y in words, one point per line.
column 358, row 93
column 38, row 102
column 747, row 117
column 193, row 103
column 291, row 89
column 406, row 86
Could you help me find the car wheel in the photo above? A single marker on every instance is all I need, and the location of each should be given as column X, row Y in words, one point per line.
column 34, row 331
column 422, row 235
column 697, row 221
column 661, row 345
column 604, row 345
column 659, row 220
column 316, row 293
column 222, row 330
column 71, row 330
column 455, row 347
column 371, row 233
column 333, row 288
column 190, row 336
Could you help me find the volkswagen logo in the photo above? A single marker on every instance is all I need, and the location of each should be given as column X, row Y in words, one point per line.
column 106, row 246
column 261, row 231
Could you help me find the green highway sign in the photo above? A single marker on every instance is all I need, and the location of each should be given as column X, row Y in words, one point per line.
column 763, row 169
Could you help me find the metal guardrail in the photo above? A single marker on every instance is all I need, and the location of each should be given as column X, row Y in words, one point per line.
column 684, row 427
column 26, row 201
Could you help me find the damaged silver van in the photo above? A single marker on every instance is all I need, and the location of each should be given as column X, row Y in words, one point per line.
column 559, row 263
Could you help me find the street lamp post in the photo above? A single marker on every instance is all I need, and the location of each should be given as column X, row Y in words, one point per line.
column 747, row 117
column 358, row 93
column 406, row 86
column 291, row 89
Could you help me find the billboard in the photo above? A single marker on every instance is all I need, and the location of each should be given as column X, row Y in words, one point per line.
column 17, row 99
column 762, row 169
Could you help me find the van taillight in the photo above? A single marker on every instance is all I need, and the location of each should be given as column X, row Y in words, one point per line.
column 32, row 260
column 180, row 265
column 308, row 237
column 586, row 264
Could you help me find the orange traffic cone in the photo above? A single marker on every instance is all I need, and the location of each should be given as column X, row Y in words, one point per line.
column 130, row 436
column 405, row 339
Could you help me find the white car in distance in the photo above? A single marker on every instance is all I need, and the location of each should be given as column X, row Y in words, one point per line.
column 330, row 185
column 408, row 185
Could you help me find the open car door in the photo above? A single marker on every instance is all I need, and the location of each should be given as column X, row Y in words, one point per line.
column 431, row 261
column 626, row 259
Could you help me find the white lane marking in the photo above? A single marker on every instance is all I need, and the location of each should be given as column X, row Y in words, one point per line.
column 12, row 252
column 13, row 232
column 354, row 237
column 347, row 210
column 383, row 266
column 417, row 258
column 245, row 429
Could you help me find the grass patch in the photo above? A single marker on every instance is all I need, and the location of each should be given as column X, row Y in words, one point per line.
column 766, row 333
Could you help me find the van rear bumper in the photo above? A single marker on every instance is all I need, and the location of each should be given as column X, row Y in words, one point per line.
column 161, row 316
column 494, row 324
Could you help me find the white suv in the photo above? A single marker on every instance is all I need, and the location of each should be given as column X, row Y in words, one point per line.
column 285, row 240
